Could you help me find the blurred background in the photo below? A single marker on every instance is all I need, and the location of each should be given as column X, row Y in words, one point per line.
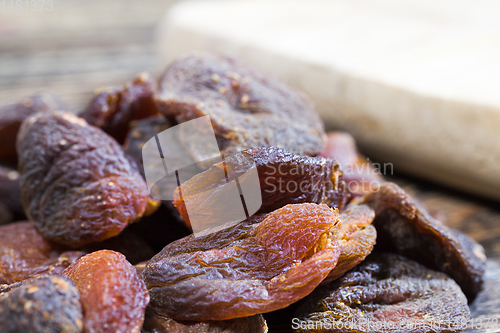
column 416, row 82
column 77, row 47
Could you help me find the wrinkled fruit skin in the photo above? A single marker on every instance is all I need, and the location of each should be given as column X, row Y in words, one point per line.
column 10, row 192
column 246, row 269
column 155, row 323
column 11, row 117
column 76, row 183
column 248, row 108
column 141, row 131
column 360, row 175
column 49, row 304
column 285, row 178
column 24, row 253
column 407, row 228
column 113, row 296
column 112, row 109
column 387, row 293
column 356, row 236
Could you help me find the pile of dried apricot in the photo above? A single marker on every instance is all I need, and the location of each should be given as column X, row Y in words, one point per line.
column 76, row 213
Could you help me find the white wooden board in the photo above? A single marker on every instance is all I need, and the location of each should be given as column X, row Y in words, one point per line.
column 416, row 81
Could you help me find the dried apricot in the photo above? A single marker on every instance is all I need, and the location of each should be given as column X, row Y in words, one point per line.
column 406, row 227
column 155, row 323
column 12, row 115
column 112, row 108
column 356, row 238
column 247, row 107
column 48, row 304
column 76, row 183
column 246, row 269
column 360, row 175
column 285, row 178
column 24, row 253
column 113, row 296
column 141, row 131
column 385, row 293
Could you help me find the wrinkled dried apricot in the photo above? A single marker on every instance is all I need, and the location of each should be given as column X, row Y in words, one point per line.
column 360, row 175
column 140, row 132
column 386, row 293
column 247, row 107
column 11, row 117
column 245, row 269
column 47, row 304
column 155, row 323
column 76, row 183
column 285, row 178
column 407, row 228
column 24, row 253
column 112, row 109
column 356, row 238
column 113, row 296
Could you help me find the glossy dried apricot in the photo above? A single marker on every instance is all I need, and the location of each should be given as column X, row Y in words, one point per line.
column 25, row 253
column 247, row 107
column 48, row 304
column 285, row 178
column 113, row 296
column 356, row 237
column 407, row 228
column 155, row 323
column 385, row 293
column 112, row 108
column 360, row 175
column 76, row 183
column 245, row 269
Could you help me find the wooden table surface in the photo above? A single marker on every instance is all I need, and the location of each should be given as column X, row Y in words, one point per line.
column 82, row 45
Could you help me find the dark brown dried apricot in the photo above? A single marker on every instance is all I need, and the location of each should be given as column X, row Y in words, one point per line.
column 113, row 296
column 247, row 107
column 407, row 228
column 24, row 253
column 285, row 178
column 360, row 175
column 356, row 237
column 245, row 269
column 76, row 183
column 48, row 304
column 155, row 323
column 11, row 117
column 112, row 109
column 385, row 293
column 140, row 132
